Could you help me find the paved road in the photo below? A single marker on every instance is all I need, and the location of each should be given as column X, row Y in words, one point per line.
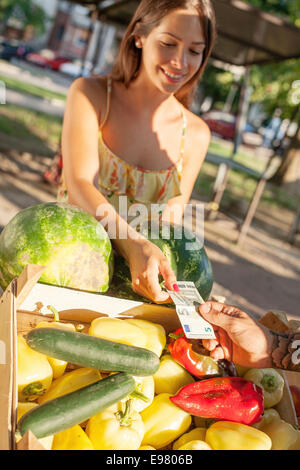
column 34, row 75
column 53, row 107
column 38, row 77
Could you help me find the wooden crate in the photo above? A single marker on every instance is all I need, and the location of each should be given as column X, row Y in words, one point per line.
column 24, row 304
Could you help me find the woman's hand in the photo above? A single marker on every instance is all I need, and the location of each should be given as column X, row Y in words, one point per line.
column 238, row 337
column 146, row 262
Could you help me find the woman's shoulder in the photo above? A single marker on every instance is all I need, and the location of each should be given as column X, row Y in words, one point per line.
column 198, row 133
column 196, row 124
column 94, row 88
column 96, row 84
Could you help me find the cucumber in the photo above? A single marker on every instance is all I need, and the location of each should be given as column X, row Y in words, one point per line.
column 90, row 351
column 68, row 410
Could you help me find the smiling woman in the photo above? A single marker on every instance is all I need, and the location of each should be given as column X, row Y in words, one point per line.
column 131, row 134
column 193, row 19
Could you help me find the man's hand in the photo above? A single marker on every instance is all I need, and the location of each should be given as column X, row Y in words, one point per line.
column 238, row 337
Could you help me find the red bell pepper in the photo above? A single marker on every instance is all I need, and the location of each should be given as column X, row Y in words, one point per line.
column 197, row 364
column 222, row 398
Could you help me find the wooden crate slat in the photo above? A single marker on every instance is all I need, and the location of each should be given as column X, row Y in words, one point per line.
column 29, row 442
column 7, row 362
column 286, row 412
column 27, row 280
column 63, row 298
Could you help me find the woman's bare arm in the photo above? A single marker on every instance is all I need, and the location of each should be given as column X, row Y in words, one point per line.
column 81, row 166
column 80, row 155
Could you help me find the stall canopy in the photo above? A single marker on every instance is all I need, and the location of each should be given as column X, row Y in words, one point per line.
column 246, row 35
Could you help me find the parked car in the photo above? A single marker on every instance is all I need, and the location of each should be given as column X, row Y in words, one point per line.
column 40, row 58
column 13, row 48
column 23, row 51
column 47, row 58
column 75, row 69
column 55, row 63
column 220, row 123
column 223, row 124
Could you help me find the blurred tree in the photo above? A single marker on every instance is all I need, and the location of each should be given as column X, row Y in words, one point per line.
column 275, row 85
column 25, row 10
column 278, row 85
column 287, row 9
column 216, row 83
column 272, row 84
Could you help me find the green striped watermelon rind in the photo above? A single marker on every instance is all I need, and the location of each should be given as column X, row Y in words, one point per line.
column 73, row 245
column 188, row 265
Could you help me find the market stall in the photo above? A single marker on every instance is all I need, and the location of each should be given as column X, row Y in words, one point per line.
column 72, row 413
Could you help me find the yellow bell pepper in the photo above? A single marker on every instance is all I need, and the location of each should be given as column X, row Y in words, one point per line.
column 296, row 444
column 171, row 376
column 118, row 330
column 269, row 416
column 111, row 430
column 27, row 406
column 164, row 422
column 195, row 445
column 141, row 397
column 72, row 439
column 146, row 448
column 156, row 335
column 57, row 365
column 227, row 435
column 143, row 394
column 282, row 434
column 34, row 373
column 195, row 434
column 70, row 382
column 270, row 381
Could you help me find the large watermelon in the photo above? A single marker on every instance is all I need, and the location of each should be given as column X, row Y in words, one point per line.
column 70, row 242
column 188, row 265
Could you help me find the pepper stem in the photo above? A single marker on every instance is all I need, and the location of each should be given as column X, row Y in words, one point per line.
column 34, row 388
column 269, row 383
column 172, row 335
column 55, row 312
column 139, row 395
column 125, row 416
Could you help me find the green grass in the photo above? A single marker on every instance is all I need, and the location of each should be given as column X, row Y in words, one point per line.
column 242, row 187
column 28, row 125
column 28, row 88
column 244, row 157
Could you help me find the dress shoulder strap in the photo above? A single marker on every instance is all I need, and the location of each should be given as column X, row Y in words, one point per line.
column 183, row 132
column 108, row 93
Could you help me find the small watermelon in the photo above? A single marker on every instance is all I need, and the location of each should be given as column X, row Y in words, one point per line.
column 73, row 246
column 188, row 265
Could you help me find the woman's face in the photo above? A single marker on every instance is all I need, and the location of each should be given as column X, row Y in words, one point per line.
column 172, row 53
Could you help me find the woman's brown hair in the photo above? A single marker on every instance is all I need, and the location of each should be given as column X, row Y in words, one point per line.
column 148, row 16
